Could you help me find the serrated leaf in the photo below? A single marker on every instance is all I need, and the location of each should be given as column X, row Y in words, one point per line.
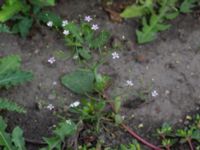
column 23, row 26
column 187, row 5
column 17, row 138
column 10, row 9
column 100, row 40
column 79, row 81
column 5, row 104
column 4, row 28
column 9, row 63
column 5, row 139
column 14, row 78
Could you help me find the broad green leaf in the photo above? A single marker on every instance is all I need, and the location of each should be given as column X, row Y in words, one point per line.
column 133, row 11
column 53, row 143
column 100, row 40
column 17, row 138
column 79, row 81
column 101, row 82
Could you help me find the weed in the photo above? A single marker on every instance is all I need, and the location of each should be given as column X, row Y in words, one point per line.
column 84, row 38
column 154, row 15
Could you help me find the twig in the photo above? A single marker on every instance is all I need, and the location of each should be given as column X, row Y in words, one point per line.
column 190, row 144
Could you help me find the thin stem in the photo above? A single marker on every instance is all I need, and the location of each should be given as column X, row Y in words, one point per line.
column 190, row 143
column 139, row 138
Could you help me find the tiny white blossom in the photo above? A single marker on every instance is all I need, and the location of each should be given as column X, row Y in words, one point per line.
column 54, row 83
column 51, row 60
column 66, row 32
column 75, row 104
column 49, row 23
column 88, row 18
column 50, row 107
column 123, row 37
column 129, row 83
column 95, row 27
column 141, row 125
column 115, row 55
column 154, row 93
column 68, row 122
column 64, row 23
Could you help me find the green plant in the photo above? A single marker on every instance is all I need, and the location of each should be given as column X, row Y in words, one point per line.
column 83, row 39
column 13, row 141
column 133, row 146
column 11, row 75
column 90, row 111
column 164, row 132
column 84, row 81
column 63, row 130
column 24, row 13
column 154, row 15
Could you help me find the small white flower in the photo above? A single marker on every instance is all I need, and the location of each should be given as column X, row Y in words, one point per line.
column 64, row 23
column 129, row 83
column 95, row 27
column 75, row 104
column 123, row 37
column 66, row 32
column 50, row 107
column 49, row 23
column 51, row 60
column 54, row 83
column 115, row 55
column 154, row 93
column 88, row 18
column 141, row 125
column 68, row 122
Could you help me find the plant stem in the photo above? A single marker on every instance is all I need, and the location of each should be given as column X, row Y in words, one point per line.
column 190, row 143
column 130, row 131
column 139, row 138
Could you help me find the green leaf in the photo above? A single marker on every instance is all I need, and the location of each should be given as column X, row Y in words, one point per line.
column 23, row 26
column 14, row 78
column 187, row 5
column 9, row 63
column 133, row 11
column 65, row 129
column 101, row 82
column 100, row 40
column 46, row 16
column 84, row 53
column 9, row 9
column 43, row 3
column 5, row 104
column 79, row 81
column 4, row 28
column 17, row 138
column 5, row 139
column 53, row 143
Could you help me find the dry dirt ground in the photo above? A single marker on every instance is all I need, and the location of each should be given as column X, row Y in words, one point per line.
column 169, row 65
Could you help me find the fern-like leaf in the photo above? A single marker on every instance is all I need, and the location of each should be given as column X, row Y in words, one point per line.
column 5, row 104
column 9, row 63
column 14, row 78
